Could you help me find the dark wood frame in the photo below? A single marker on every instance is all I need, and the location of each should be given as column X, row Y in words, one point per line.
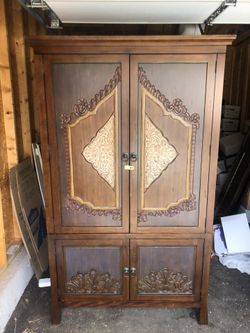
column 203, row 47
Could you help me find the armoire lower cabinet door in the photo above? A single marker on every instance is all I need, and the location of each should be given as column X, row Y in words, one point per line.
column 166, row 269
column 93, row 268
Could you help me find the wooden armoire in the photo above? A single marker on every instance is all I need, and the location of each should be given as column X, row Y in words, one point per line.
column 129, row 135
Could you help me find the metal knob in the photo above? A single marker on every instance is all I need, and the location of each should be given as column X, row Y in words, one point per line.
column 133, row 157
column 133, row 271
column 125, row 157
column 126, row 270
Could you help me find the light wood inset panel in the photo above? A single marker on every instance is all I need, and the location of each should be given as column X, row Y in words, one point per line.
column 84, row 175
column 163, row 193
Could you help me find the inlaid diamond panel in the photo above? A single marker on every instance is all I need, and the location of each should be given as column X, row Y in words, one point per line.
column 100, row 152
column 159, row 153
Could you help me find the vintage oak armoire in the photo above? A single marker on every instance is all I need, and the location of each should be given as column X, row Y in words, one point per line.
column 129, row 134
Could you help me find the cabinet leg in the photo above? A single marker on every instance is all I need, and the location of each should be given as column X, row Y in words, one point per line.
column 55, row 304
column 55, row 308
column 203, row 315
column 55, row 313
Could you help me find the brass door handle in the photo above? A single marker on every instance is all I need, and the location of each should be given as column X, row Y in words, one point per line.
column 126, row 270
column 125, row 157
column 129, row 271
column 133, row 157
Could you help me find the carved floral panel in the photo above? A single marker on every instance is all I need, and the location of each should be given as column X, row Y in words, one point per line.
column 165, row 281
column 93, row 282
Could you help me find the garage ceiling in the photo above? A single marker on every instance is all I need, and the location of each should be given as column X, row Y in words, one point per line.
column 148, row 12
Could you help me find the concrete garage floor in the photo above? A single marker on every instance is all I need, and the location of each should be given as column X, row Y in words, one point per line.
column 229, row 311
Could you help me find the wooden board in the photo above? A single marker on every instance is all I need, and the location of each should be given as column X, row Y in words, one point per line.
column 3, row 257
column 21, row 71
column 5, row 234
column 7, row 103
column 39, row 168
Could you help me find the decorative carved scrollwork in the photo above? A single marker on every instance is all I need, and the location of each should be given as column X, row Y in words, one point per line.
column 93, row 282
column 165, row 281
column 177, row 107
column 83, row 106
column 186, row 205
column 71, row 204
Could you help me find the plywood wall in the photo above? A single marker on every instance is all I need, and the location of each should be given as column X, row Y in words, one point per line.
column 18, row 116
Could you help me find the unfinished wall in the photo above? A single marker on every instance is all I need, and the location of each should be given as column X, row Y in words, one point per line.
column 18, row 116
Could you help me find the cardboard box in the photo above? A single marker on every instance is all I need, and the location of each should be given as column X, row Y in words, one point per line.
column 230, row 125
column 28, row 207
column 230, row 145
column 231, row 111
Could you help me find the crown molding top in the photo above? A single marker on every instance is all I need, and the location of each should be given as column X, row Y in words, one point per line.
column 129, row 44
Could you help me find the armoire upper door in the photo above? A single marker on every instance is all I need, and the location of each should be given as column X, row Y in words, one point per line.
column 171, row 119
column 88, row 113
